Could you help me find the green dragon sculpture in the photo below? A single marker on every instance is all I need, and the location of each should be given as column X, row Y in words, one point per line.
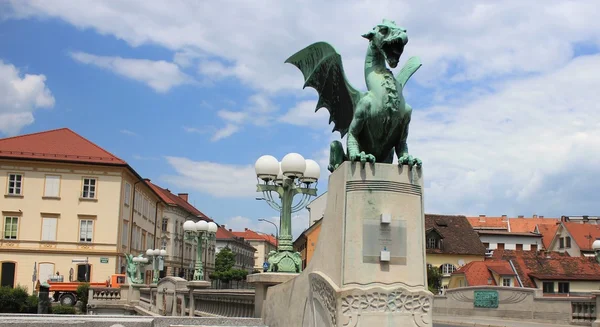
column 375, row 121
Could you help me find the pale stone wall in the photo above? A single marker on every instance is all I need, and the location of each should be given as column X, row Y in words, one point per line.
column 510, row 242
column 524, row 304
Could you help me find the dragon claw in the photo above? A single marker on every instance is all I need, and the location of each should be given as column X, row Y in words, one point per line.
column 363, row 157
column 407, row 159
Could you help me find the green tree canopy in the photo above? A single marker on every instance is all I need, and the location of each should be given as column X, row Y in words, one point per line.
column 224, row 260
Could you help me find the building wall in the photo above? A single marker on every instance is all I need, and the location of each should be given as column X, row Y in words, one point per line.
column 510, row 242
column 262, row 252
column 573, row 251
column 244, row 253
column 575, row 286
column 437, row 260
column 311, row 242
column 316, row 208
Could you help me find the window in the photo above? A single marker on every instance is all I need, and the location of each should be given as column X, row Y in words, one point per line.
column 165, row 224
column 500, row 246
column 49, row 229
column 150, row 241
column 431, row 243
column 548, row 287
column 506, row 281
column 563, row 287
column 11, row 228
column 447, row 268
column 46, row 271
column 89, row 188
column 568, row 242
column 15, row 184
column 52, row 186
column 125, row 235
column 561, row 242
column 519, row 247
column 127, row 193
column 534, row 247
column 163, row 244
column 86, row 230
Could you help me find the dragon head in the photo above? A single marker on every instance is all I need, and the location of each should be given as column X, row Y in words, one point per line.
column 389, row 39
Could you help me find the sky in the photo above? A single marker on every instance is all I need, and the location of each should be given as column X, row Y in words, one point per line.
column 506, row 113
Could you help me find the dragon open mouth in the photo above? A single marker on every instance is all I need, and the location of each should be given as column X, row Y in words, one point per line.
column 392, row 51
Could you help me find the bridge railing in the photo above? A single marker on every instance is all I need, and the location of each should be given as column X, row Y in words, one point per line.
column 223, row 303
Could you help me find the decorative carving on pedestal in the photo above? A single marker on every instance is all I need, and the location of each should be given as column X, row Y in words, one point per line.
column 322, row 291
column 513, row 298
column 398, row 300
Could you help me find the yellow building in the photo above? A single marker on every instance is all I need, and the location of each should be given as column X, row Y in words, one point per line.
column 306, row 243
column 65, row 199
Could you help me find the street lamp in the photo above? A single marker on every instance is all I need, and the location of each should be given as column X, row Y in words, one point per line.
column 201, row 231
column 272, row 223
column 157, row 259
column 596, row 247
column 294, row 175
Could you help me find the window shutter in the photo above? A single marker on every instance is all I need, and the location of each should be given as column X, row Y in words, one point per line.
column 52, row 185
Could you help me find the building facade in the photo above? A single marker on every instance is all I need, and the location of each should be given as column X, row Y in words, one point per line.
column 181, row 250
column 244, row 252
column 65, row 198
column 263, row 243
column 306, row 243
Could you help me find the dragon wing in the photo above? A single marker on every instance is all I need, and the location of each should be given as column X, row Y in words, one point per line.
column 322, row 68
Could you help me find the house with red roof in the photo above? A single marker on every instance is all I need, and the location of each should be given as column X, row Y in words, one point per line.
column 244, row 251
column 66, row 198
column 575, row 238
column 263, row 243
column 485, row 273
column 181, row 251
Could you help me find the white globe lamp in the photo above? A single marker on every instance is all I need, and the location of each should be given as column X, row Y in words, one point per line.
column 212, row 227
column 150, row 252
column 312, row 172
column 201, row 226
column 596, row 245
column 266, row 168
column 163, row 252
column 189, row 226
column 293, row 165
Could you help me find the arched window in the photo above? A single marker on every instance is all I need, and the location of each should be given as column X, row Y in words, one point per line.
column 447, row 268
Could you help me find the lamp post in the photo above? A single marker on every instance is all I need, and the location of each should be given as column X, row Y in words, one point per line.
column 272, row 223
column 596, row 247
column 294, row 175
column 157, row 259
column 200, row 231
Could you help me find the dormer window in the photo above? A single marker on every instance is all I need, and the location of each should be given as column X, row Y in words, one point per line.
column 432, row 243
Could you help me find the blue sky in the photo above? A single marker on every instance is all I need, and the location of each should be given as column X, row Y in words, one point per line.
column 506, row 115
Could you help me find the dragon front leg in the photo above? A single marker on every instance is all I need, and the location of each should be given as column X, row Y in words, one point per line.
column 336, row 155
column 402, row 148
column 354, row 151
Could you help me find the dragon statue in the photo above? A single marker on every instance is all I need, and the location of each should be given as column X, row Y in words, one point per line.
column 132, row 269
column 375, row 121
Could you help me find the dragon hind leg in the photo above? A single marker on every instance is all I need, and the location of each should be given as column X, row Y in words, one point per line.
column 336, row 155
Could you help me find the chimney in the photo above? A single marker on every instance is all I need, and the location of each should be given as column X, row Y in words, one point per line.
column 521, row 217
column 230, row 230
column 481, row 218
column 184, row 196
column 541, row 217
column 147, row 179
column 535, row 216
column 245, row 228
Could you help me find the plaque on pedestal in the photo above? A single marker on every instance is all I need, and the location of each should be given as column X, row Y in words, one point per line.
column 378, row 237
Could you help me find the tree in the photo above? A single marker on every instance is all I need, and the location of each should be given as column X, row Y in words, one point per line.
column 225, row 260
column 434, row 279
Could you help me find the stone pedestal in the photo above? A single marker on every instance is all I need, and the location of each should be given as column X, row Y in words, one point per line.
column 194, row 285
column 262, row 282
column 596, row 323
column 368, row 268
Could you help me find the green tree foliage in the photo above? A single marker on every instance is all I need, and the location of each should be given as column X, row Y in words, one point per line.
column 434, row 279
column 82, row 295
column 17, row 300
column 63, row 310
column 225, row 260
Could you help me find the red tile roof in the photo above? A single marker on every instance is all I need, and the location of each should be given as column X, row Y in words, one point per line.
column 502, row 268
column 549, row 265
column 583, row 234
column 527, row 225
column 458, row 237
column 476, row 273
column 548, row 231
column 251, row 235
column 175, row 200
column 224, row 234
column 56, row 145
column 488, row 222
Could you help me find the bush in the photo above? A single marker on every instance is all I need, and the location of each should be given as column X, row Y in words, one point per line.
column 13, row 300
column 63, row 310
column 31, row 304
column 83, row 292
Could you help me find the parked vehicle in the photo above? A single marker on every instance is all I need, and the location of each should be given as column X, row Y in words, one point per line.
column 66, row 292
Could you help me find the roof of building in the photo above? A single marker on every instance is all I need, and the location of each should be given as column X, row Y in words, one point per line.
column 56, row 145
column 251, row 235
column 479, row 273
column 223, row 234
column 458, row 235
column 527, row 225
column 548, row 231
column 484, row 222
column 549, row 265
column 506, row 233
column 175, row 200
column 583, row 234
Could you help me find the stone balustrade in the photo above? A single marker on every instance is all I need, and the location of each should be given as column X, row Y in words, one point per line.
column 223, row 303
column 104, row 294
column 583, row 311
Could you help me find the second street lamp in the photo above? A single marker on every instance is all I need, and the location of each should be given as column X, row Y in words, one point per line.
column 294, row 175
column 200, row 231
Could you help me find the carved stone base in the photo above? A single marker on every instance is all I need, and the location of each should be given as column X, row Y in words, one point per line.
column 285, row 262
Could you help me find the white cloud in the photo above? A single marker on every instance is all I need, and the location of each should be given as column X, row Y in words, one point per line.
column 159, row 75
column 239, row 223
column 303, row 114
column 225, row 132
column 487, row 39
column 216, row 179
column 257, row 111
column 20, row 95
column 128, row 132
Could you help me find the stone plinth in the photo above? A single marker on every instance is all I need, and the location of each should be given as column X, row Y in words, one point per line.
column 194, row 285
column 262, row 282
column 368, row 268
